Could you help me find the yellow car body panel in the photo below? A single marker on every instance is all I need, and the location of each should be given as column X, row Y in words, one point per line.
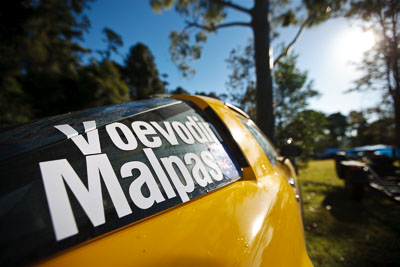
column 254, row 221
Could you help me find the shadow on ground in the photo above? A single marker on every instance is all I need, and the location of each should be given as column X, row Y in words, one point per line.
column 352, row 233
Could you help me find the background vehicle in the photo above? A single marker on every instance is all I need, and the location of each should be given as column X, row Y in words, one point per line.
column 166, row 182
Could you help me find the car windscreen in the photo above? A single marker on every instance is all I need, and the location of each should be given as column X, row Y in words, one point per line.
column 104, row 178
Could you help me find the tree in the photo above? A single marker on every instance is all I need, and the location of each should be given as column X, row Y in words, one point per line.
column 141, row 73
column 291, row 89
column 241, row 82
column 207, row 16
column 113, row 41
column 101, row 84
column 337, row 129
column 381, row 65
column 292, row 92
column 14, row 107
column 40, row 56
column 210, row 94
column 41, row 72
column 307, row 129
column 380, row 131
column 179, row 91
column 357, row 126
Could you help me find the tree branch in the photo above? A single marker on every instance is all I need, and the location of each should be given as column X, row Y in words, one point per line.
column 299, row 32
column 235, row 6
column 190, row 24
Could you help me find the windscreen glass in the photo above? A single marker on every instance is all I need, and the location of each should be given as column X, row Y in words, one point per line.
column 103, row 178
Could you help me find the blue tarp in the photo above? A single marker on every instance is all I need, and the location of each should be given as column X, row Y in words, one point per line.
column 377, row 149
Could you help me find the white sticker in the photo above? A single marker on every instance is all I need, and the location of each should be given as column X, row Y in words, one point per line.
column 142, row 129
column 168, row 134
column 208, row 159
column 116, row 138
column 57, row 173
column 167, row 176
column 183, row 132
column 145, row 179
column 199, row 171
column 183, row 189
column 195, row 130
column 162, row 177
column 92, row 146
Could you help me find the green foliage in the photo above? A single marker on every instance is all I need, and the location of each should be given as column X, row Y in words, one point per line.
column 337, row 129
column 354, row 130
column 381, row 131
column 210, row 13
column 94, row 85
column 210, row 94
column 40, row 56
column 159, row 5
column 307, row 129
column 179, row 91
column 13, row 103
column 265, row 16
column 241, row 82
column 288, row 18
column 113, row 41
column 381, row 65
column 41, row 73
column 184, row 49
column 51, row 91
column 42, row 34
column 101, row 84
column 357, row 125
column 141, row 73
column 323, row 10
column 373, row 66
column 292, row 91
column 181, row 51
column 369, row 10
column 207, row 16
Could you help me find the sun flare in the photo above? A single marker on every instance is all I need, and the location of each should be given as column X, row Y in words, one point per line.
column 353, row 43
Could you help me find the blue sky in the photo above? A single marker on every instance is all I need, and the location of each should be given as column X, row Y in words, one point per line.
column 324, row 51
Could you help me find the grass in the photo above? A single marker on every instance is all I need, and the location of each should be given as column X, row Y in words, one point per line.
column 344, row 232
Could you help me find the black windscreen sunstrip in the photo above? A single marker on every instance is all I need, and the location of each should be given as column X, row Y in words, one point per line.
column 103, row 178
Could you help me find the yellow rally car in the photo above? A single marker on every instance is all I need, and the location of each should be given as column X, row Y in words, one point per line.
column 185, row 181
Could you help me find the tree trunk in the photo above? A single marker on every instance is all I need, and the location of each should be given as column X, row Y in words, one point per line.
column 264, row 101
column 397, row 120
column 396, row 74
column 396, row 100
